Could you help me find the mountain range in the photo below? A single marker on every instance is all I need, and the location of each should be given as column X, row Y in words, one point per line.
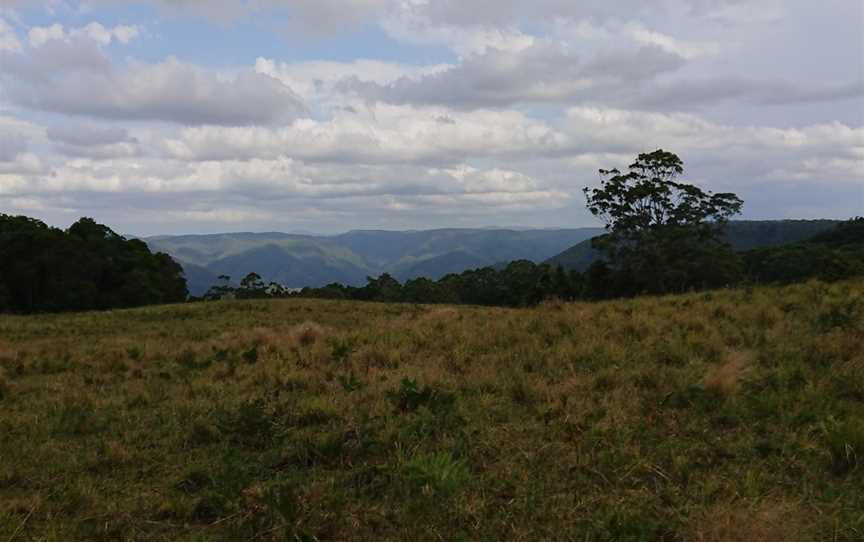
column 297, row 260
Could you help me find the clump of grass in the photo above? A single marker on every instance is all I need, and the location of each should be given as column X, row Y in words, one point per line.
column 135, row 353
column 308, row 333
column 438, row 474
column 410, row 396
column 725, row 379
column 247, row 425
column 845, row 442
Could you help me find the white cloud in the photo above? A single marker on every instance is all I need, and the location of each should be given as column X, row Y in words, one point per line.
column 40, row 35
column 74, row 78
column 373, row 134
column 684, row 49
column 8, row 38
column 546, row 71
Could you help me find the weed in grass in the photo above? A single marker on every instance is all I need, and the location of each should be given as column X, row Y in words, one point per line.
column 247, row 425
column 410, row 396
column 250, row 356
column 845, row 442
column 349, row 383
column 135, row 353
column 340, row 349
column 438, row 474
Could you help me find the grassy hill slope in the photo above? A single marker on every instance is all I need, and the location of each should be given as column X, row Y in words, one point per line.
column 729, row 415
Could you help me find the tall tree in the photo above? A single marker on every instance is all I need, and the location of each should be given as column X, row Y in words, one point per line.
column 663, row 235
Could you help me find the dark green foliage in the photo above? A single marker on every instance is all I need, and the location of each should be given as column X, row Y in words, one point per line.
column 663, row 236
column 87, row 267
column 836, row 254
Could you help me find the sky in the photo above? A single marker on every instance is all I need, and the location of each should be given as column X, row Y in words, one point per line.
column 205, row 116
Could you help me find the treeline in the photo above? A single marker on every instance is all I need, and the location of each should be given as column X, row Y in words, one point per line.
column 88, row 266
column 520, row 284
column 833, row 255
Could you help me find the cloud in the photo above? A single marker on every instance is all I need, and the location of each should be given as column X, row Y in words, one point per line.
column 684, row 49
column 546, row 71
column 318, row 81
column 692, row 91
column 8, row 38
column 74, row 77
column 374, row 134
column 40, row 35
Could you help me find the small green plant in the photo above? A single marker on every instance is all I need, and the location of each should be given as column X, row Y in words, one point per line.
column 249, row 425
column 436, row 473
column 845, row 442
column 340, row 349
column 135, row 353
column 410, row 396
column 349, row 383
column 251, row 356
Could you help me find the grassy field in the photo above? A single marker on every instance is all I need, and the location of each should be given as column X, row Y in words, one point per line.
column 734, row 415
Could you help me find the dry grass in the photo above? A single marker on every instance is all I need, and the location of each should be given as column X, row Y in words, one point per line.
column 308, row 333
column 725, row 379
column 764, row 521
column 273, row 420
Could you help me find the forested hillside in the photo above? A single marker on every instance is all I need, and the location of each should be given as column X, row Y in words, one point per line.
column 305, row 260
column 740, row 234
column 87, row 266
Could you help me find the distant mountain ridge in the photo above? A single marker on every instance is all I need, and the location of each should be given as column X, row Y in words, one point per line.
column 741, row 234
column 297, row 260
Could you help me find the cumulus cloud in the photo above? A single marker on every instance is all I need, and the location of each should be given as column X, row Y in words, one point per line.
column 496, row 111
column 75, row 77
column 545, row 71
column 374, row 134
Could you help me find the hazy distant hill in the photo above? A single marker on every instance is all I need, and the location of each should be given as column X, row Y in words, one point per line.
column 306, row 260
column 741, row 234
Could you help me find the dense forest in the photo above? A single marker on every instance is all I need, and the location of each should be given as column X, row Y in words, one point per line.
column 87, row 266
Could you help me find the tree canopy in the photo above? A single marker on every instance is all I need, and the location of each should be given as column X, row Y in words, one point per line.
column 663, row 235
column 88, row 266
